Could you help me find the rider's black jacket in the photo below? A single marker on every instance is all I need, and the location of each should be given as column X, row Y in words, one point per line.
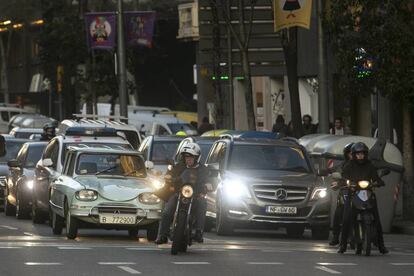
column 356, row 171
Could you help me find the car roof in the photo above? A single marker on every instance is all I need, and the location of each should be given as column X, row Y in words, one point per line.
column 262, row 141
column 96, row 123
column 92, row 139
column 26, row 129
column 37, row 143
column 167, row 138
column 202, row 139
column 100, row 150
column 9, row 137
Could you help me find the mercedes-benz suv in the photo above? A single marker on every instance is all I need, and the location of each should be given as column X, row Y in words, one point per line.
column 267, row 181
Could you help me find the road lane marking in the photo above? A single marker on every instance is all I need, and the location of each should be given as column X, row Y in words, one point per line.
column 191, row 263
column 324, row 268
column 33, row 263
column 402, row 264
column 144, row 248
column 129, row 270
column 9, row 247
column 116, row 263
column 28, row 234
column 264, row 263
column 73, row 248
column 327, row 264
column 9, row 227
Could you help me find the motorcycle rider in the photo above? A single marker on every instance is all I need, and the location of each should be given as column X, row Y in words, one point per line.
column 49, row 131
column 360, row 168
column 191, row 154
column 342, row 197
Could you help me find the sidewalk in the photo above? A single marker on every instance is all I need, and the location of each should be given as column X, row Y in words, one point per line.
column 403, row 227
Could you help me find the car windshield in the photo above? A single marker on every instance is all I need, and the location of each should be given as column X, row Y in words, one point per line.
column 94, row 145
column 268, row 157
column 33, row 155
column 114, row 164
column 12, row 148
column 180, row 127
column 205, row 148
column 24, row 134
column 163, row 151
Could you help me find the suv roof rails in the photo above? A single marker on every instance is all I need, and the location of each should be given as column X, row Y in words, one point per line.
column 291, row 139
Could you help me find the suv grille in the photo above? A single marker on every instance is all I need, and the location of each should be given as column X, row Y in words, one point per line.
column 280, row 193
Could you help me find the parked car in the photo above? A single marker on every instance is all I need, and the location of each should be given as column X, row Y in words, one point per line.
column 7, row 112
column 20, row 181
column 160, row 150
column 49, row 167
column 106, row 188
column 267, row 182
column 25, row 133
column 13, row 146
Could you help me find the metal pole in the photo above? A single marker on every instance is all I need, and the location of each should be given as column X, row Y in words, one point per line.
column 123, row 108
column 230, row 66
column 323, row 99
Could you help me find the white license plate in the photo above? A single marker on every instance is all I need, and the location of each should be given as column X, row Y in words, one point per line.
column 281, row 210
column 117, row 219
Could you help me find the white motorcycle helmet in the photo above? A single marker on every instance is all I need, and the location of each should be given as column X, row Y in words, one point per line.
column 193, row 149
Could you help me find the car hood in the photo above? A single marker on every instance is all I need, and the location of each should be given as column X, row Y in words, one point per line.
column 276, row 177
column 4, row 170
column 114, row 188
column 29, row 172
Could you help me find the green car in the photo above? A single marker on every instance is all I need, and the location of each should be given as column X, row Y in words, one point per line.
column 104, row 188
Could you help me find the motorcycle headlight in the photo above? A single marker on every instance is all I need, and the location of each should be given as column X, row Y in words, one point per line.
column 235, row 188
column 86, row 195
column 187, row 191
column 149, row 198
column 29, row 184
column 319, row 193
column 363, row 184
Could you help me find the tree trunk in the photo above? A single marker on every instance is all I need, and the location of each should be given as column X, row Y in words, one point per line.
column 248, row 91
column 3, row 70
column 289, row 42
column 408, row 187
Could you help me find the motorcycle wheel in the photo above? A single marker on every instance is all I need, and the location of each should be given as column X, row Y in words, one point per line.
column 179, row 240
column 367, row 238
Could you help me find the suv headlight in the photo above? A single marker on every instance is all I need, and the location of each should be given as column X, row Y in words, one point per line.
column 235, row 188
column 319, row 193
column 86, row 195
column 187, row 191
column 149, row 198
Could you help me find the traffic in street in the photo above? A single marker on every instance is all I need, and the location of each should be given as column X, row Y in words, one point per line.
column 27, row 249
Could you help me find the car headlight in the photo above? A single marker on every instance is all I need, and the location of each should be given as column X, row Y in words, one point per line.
column 157, row 183
column 29, row 184
column 319, row 193
column 363, row 184
column 187, row 191
column 235, row 188
column 86, row 195
column 149, row 198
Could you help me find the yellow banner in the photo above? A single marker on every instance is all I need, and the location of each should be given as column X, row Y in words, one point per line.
column 291, row 13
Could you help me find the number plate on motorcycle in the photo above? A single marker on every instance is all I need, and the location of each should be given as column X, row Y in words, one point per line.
column 281, row 210
column 116, row 219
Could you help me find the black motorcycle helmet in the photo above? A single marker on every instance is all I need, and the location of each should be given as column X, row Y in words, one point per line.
column 359, row 147
column 347, row 150
column 49, row 130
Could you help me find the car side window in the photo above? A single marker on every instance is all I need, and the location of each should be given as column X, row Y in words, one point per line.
column 55, row 154
column 144, row 149
column 162, row 130
column 69, row 164
column 21, row 156
column 213, row 157
column 221, row 155
column 48, row 150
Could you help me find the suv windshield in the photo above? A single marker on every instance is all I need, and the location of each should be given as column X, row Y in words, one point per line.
column 267, row 157
column 163, row 151
column 110, row 164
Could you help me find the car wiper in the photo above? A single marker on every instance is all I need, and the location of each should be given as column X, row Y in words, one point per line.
column 136, row 171
column 105, row 170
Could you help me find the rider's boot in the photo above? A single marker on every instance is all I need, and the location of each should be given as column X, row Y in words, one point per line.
column 198, row 237
column 161, row 240
column 335, row 240
column 342, row 248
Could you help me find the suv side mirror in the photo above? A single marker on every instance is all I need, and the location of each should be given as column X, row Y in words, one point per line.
column 2, row 146
column 13, row 164
column 149, row 165
column 47, row 162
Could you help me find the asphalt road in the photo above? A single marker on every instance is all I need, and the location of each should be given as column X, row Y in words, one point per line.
column 27, row 249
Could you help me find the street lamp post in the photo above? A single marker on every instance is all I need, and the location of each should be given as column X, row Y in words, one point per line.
column 123, row 108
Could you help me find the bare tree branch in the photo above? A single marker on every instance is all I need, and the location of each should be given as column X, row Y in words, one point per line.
column 227, row 19
column 249, row 32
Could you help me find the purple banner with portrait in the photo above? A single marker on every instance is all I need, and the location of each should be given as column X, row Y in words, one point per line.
column 139, row 28
column 101, row 30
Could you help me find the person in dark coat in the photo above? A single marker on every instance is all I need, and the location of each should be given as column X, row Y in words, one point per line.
column 280, row 127
column 205, row 126
column 308, row 127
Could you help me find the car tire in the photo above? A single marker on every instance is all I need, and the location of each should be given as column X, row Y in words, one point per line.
column 71, row 224
column 22, row 211
column 224, row 226
column 9, row 210
column 133, row 233
column 57, row 223
column 320, row 232
column 295, row 231
column 152, row 232
column 37, row 216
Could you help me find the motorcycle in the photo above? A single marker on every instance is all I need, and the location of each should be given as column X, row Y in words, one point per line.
column 181, row 231
column 363, row 202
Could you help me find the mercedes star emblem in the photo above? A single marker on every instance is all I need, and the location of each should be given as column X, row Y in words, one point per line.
column 281, row 194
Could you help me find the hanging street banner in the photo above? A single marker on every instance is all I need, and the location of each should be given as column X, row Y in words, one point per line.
column 291, row 13
column 101, row 30
column 139, row 28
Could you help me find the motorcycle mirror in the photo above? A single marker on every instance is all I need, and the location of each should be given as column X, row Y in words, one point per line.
column 149, row 165
column 336, row 175
column 2, row 146
column 385, row 172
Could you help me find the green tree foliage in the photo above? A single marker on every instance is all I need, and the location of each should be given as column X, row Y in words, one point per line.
column 377, row 31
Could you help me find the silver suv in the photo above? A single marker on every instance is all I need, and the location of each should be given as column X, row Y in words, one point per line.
column 267, row 183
